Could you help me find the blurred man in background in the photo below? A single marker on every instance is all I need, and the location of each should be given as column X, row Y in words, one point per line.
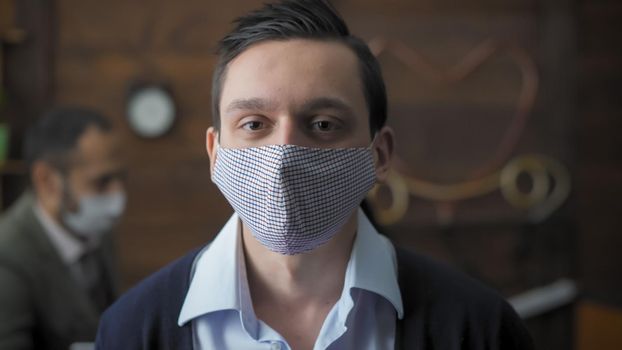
column 56, row 261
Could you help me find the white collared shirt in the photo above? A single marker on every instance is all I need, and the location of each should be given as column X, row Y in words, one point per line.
column 69, row 248
column 218, row 302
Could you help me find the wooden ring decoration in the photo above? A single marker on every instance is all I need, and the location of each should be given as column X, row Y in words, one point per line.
column 399, row 200
column 509, row 182
column 560, row 192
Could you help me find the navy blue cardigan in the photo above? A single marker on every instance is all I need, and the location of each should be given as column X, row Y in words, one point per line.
column 443, row 309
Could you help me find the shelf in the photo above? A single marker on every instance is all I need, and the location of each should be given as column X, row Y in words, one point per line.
column 13, row 167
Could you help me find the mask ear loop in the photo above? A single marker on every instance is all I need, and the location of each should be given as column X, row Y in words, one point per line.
column 372, row 144
column 373, row 141
column 67, row 198
column 370, row 148
column 218, row 147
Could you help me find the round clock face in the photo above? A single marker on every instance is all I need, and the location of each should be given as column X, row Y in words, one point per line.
column 151, row 112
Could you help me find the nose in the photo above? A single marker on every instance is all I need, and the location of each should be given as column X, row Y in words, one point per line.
column 289, row 133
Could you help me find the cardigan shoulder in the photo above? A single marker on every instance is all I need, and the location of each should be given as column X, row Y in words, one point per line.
column 445, row 309
column 146, row 316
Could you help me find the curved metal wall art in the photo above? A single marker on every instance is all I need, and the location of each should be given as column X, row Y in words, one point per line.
column 550, row 180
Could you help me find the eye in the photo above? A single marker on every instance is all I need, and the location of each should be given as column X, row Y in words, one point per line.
column 253, row 125
column 101, row 183
column 104, row 182
column 324, row 125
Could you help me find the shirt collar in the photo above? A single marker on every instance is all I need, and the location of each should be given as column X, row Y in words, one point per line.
column 372, row 267
column 218, row 266
column 68, row 247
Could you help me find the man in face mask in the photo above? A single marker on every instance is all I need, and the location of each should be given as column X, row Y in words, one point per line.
column 55, row 249
column 298, row 140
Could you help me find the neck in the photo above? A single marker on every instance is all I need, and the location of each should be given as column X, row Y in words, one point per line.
column 303, row 279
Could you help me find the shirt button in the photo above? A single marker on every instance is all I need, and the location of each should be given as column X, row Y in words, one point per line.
column 275, row 346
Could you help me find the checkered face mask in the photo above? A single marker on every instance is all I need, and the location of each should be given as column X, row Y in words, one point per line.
column 294, row 198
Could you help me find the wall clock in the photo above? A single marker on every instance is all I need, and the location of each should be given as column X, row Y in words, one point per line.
column 151, row 110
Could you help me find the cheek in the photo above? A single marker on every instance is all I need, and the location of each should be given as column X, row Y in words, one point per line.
column 230, row 137
column 81, row 182
column 55, row 186
column 359, row 138
column 55, row 193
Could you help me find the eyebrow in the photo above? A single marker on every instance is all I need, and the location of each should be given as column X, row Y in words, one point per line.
column 260, row 104
column 251, row 104
column 326, row 103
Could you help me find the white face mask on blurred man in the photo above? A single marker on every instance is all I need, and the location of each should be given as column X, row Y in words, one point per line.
column 96, row 214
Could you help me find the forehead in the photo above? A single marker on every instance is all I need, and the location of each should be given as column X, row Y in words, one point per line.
column 294, row 69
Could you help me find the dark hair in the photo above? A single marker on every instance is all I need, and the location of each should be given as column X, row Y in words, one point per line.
column 302, row 19
column 57, row 132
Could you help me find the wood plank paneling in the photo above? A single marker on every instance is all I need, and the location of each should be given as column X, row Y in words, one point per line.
column 444, row 132
column 599, row 175
column 105, row 47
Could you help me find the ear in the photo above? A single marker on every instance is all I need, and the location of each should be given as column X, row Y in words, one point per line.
column 47, row 184
column 383, row 149
column 211, row 139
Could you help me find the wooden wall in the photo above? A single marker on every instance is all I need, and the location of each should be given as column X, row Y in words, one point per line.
column 102, row 48
column 105, row 47
column 445, row 131
column 599, row 150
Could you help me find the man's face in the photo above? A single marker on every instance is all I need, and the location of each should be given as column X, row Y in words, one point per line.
column 297, row 92
column 301, row 92
column 96, row 167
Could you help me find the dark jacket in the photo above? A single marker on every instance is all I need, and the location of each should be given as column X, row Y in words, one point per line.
column 42, row 306
column 443, row 309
